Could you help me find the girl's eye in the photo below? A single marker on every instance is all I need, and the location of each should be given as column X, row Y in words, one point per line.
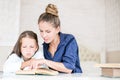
column 31, row 46
column 24, row 46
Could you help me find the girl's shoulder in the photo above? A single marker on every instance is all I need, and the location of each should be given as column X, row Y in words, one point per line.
column 14, row 57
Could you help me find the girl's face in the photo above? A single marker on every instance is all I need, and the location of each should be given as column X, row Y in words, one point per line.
column 28, row 47
column 48, row 32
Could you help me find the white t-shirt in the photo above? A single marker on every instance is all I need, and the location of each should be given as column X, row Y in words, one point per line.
column 13, row 63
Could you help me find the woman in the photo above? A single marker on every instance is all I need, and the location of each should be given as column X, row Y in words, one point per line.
column 60, row 50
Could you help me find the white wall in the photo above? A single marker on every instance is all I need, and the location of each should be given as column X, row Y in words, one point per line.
column 9, row 21
column 112, row 25
column 9, row 27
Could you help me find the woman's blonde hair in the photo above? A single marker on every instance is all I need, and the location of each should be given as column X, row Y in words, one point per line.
column 50, row 15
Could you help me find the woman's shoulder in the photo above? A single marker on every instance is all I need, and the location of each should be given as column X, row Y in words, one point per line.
column 65, row 36
column 67, row 39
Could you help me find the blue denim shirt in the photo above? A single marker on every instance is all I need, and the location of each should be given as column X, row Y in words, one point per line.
column 67, row 53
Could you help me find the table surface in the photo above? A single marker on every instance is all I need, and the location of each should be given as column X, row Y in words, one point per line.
column 61, row 76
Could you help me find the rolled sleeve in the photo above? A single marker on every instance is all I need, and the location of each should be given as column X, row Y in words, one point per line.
column 70, row 57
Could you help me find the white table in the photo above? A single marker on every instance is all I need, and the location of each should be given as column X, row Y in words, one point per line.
column 61, row 76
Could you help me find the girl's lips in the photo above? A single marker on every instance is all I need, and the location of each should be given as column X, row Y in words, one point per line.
column 45, row 39
column 28, row 54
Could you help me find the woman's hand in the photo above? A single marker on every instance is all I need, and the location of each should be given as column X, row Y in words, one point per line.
column 36, row 63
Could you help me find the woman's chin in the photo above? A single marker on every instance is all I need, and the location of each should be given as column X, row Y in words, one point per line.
column 47, row 42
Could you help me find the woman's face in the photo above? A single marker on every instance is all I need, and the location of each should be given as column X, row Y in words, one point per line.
column 48, row 32
column 28, row 47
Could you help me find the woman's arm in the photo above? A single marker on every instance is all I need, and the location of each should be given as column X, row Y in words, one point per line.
column 57, row 66
column 35, row 63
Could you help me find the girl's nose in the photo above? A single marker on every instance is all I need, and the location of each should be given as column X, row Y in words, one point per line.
column 28, row 49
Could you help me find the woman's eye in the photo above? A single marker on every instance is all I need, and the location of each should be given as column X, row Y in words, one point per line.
column 41, row 31
column 48, row 31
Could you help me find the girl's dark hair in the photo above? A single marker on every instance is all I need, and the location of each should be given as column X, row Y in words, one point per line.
column 17, row 47
column 51, row 16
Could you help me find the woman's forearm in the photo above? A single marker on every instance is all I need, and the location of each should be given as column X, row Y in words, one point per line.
column 57, row 66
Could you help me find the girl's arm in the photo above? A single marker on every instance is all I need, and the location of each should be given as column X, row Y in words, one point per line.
column 38, row 55
column 25, row 64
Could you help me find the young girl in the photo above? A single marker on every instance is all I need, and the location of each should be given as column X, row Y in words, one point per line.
column 25, row 48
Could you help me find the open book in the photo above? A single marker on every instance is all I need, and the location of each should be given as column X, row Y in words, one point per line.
column 43, row 71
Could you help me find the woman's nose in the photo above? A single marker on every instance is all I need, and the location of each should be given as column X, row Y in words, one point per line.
column 44, row 35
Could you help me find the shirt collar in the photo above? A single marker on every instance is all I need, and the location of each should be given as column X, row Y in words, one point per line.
column 62, row 40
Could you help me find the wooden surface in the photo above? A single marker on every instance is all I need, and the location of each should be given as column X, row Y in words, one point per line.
column 109, row 65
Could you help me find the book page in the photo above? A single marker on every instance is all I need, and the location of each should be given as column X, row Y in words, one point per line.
column 42, row 71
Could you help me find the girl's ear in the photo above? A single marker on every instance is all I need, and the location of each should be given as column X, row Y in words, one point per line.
column 36, row 48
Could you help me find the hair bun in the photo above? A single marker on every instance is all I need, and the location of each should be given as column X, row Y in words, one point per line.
column 52, row 9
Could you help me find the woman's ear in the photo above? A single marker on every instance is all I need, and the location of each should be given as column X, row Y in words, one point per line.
column 58, row 29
